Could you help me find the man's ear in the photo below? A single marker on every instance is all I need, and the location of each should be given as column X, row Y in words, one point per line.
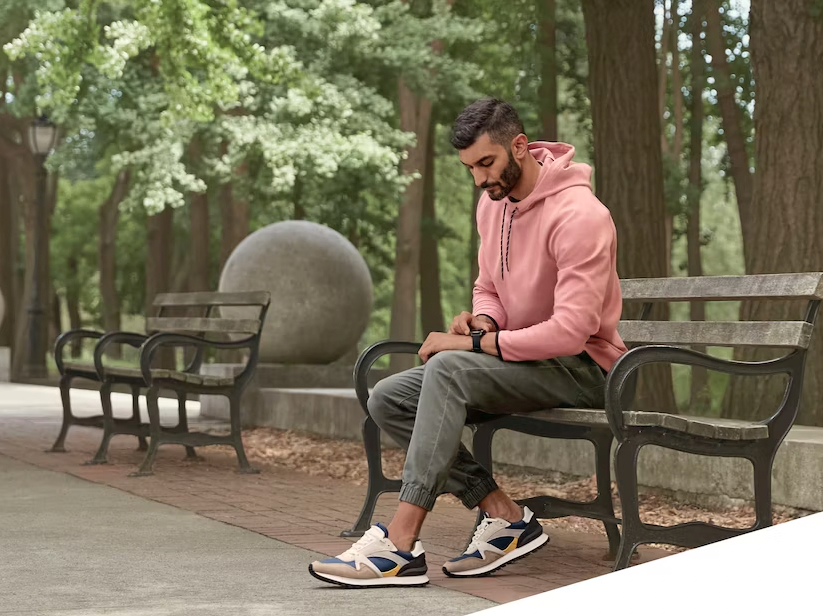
column 520, row 146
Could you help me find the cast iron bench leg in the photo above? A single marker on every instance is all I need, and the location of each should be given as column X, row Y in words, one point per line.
column 378, row 482
column 68, row 419
column 154, row 433
column 625, row 470
column 603, row 452
column 142, row 445
column 237, row 437
column 183, row 424
column 108, row 424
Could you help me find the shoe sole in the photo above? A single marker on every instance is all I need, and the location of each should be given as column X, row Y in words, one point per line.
column 396, row 582
column 508, row 559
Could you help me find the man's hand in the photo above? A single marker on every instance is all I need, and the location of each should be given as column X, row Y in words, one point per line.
column 465, row 322
column 438, row 341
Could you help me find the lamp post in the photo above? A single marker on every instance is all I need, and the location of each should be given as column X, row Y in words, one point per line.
column 42, row 136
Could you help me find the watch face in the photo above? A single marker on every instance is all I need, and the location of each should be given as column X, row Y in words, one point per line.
column 478, row 332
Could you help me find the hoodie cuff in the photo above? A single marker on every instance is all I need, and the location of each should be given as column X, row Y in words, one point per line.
column 495, row 313
column 490, row 318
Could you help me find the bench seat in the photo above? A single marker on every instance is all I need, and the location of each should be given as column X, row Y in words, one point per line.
column 723, row 429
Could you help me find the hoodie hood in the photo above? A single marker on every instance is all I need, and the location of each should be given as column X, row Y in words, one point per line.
column 547, row 266
column 558, row 172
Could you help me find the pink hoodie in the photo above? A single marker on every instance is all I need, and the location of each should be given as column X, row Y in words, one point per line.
column 548, row 272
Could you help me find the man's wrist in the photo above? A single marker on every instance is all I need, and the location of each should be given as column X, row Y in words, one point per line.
column 491, row 322
column 488, row 344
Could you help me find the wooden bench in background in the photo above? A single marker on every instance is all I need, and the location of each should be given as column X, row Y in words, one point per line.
column 649, row 342
column 196, row 330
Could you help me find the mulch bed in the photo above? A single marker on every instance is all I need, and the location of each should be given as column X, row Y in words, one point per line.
column 345, row 460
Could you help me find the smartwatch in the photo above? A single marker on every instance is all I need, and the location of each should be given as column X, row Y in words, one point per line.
column 476, row 335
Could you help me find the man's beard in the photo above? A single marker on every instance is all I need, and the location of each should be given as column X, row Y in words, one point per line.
column 508, row 180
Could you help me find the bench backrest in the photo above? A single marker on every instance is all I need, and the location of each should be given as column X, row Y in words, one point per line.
column 207, row 304
column 790, row 334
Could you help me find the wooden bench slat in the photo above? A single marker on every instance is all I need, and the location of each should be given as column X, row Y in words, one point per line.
column 250, row 298
column 708, row 427
column 792, row 334
column 173, row 375
column 807, row 286
column 192, row 324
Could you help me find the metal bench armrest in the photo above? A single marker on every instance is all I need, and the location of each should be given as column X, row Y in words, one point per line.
column 150, row 346
column 617, row 396
column 69, row 336
column 133, row 339
column 369, row 357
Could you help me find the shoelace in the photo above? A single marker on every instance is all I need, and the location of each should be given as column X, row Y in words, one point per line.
column 478, row 532
column 369, row 537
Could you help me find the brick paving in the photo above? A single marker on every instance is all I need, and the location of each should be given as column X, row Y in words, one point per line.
column 297, row 508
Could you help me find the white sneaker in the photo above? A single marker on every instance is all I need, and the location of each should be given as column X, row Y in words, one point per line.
column 374, row 561
column 495, row 544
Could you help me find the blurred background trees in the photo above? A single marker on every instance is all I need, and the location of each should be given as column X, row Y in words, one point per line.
column 185, row 125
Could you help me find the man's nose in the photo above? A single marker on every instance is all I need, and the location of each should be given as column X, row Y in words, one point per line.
column 479, row 179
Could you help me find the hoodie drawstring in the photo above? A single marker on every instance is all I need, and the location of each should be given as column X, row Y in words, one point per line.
column 503, row 228
column 508, row 238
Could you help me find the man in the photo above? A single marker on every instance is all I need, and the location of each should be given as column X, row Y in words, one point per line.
column 542, row 334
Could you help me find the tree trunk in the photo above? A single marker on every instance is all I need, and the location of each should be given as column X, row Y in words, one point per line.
column 8, row 255
column 199, row 220
column 234, row 217
column 109, row 215
column 732, row 130
column 158, row 270
column 32, row 362
column 22, row 191
column 73, row 305
column 677, row 84
column 199, row 236
column 297, row 199
column 431, row 306
column 56, row 321
column 786, row 46
column 48, row 286
column 663, row 68
column 547, row 43
column 226, row 224
column 415, row 113
column 699, row 398
column 627, row 156
column 673, row 153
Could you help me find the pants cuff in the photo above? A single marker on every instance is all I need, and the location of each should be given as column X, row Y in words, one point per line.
column 471, row 498
column 417, row 495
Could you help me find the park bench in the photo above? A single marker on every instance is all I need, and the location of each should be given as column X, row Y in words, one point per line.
column 193, row 331
column 649, row 342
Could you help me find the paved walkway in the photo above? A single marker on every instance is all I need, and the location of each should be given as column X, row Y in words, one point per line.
column 101, row 539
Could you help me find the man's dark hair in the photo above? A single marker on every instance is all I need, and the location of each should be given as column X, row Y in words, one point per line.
column 487, row 115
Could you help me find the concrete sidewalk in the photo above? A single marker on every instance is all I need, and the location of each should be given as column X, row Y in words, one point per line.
column 73, row 547
column 282, row 519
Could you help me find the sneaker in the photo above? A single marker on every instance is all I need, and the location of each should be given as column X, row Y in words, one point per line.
column 374, row 561
column 496, row 543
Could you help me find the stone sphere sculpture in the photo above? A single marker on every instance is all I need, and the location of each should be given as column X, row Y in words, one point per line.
column 321, row 290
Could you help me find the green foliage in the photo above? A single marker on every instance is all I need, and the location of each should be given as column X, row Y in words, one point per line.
column 147, row 77
column 74, row 262
column 294, row 103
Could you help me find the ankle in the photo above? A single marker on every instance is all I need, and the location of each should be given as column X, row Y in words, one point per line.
column 498, row 505
column 510, row 514
column 403, row 541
